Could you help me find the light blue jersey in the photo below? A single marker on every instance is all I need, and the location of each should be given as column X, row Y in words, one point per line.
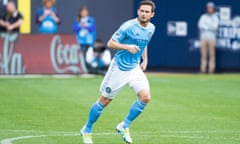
column 132, row 33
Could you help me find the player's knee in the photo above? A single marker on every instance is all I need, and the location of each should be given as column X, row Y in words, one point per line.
column 105, row 101
column 146, row 99
column 145, row 96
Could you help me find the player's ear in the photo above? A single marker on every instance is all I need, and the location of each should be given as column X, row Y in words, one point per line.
column 138, row 11
column 153, row 14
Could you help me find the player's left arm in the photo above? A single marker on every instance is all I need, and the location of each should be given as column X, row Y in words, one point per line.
column 144, row 63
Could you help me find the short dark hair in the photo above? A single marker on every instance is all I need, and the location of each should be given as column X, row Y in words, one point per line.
column 148, row 2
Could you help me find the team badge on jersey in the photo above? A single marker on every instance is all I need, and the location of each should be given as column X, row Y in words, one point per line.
column 108, row 90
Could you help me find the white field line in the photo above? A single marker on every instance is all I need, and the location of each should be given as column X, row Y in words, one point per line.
column 149, row 132
column 10, row 140
column 168, row 134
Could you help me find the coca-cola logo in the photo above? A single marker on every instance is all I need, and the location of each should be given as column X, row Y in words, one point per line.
column 10, row 61
column 66, row 58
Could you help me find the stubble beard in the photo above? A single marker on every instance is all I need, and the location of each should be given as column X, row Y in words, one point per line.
column 143, row 22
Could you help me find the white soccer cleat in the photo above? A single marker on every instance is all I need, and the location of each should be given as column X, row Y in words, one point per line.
column 86, row 137
column 125, row 133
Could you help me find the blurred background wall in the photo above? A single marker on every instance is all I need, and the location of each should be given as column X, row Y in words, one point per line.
column 170, row 48
column 108, row 14
column 175, row 43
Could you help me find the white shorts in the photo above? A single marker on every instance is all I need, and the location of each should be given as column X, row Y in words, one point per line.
column 116, row 79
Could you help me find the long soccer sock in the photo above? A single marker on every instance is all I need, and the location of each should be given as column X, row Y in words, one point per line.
column 134, row 112
column 94, row 114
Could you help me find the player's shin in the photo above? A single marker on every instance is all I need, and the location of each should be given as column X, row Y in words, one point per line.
column 94, row 114
column 134, row 112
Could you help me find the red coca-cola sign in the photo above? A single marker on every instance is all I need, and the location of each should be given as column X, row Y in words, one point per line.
column 40, row 54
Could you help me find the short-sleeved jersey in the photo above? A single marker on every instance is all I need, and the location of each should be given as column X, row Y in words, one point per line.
column 132, row 33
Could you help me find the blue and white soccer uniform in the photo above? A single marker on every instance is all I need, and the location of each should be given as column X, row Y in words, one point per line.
column 125, row 68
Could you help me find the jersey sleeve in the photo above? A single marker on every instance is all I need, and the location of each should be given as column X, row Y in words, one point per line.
column 120, row 34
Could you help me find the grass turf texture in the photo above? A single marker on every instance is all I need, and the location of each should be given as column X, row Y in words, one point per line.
column 185, row 109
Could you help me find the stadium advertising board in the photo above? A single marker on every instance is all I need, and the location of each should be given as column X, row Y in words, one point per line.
column 40, row 54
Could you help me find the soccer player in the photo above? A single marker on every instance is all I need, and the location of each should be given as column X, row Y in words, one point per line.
column 131, row 41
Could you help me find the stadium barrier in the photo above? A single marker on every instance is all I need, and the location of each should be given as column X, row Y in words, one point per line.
column 40, row 54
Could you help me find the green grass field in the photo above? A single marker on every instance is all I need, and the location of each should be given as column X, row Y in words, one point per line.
column 185, row 109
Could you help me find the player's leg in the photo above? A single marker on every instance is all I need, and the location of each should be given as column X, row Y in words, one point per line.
column 95, row 112
column 137, row 107
column 135, row 110
column 113, row 82
column 108, row 89
column 140, row 85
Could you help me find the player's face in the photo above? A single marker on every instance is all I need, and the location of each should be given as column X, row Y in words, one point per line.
column 145, row 13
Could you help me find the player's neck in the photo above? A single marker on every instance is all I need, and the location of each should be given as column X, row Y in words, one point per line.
column 143, row 24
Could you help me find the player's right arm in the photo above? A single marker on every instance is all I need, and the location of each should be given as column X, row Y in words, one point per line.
column 118, row 46
column 118, row 37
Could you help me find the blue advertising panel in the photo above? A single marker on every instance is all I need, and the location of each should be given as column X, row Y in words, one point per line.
column 176, row 41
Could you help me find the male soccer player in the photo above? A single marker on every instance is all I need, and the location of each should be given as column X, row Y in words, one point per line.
column 131, row 41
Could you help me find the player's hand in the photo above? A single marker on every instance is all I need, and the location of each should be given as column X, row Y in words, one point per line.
column 143, row 65
column 133, row 49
